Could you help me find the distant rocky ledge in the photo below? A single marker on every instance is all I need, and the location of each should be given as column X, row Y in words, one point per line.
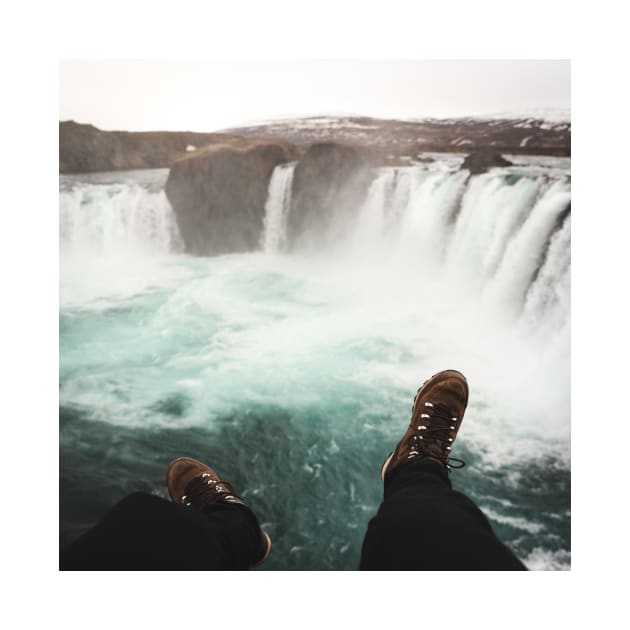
column 481, row 161
column 84, row 148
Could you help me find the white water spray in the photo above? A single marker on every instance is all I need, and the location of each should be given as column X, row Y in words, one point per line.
column 485, row 236
column 274, row 237
column 550, row 293
column 526, row 250
column 116, row 218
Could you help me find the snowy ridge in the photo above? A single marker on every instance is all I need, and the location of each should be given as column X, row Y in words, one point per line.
column 539, row 132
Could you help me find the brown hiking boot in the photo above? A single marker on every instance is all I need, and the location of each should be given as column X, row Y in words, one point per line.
column 194, row 484
column 437, row 413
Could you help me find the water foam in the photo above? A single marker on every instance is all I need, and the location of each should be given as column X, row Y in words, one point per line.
column 304, row 353
column 116, row 218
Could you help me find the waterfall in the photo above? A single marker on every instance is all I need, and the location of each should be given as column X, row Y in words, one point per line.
column 427, row 216
column 501, row 236
column 370, row 224
column 116, row 218
column 274, row 237
column 550, row 291
column 526, row 250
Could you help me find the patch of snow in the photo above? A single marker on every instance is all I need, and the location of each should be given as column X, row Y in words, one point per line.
column 548, row 114
column 191, row 147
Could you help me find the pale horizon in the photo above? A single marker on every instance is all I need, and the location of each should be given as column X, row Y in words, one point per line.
column 206, row 96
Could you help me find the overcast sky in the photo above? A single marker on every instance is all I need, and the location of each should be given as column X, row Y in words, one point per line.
column 210, row 95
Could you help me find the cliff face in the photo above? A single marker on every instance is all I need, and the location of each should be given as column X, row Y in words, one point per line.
column 330, row 179
column 219, row 193
column 86, row 149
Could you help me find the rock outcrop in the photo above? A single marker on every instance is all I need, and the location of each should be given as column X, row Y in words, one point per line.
column 219, row 192
column 480, row 161
column 330, row 180
column 86, row 149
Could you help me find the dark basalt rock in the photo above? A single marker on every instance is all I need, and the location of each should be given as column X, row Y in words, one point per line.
column 330, row 181
column 87, row 149
column 480, row 161
column 218, row 193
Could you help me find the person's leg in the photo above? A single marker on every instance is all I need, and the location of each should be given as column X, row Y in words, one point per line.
column 146, row 532
column 423, row 524
column 205, row 527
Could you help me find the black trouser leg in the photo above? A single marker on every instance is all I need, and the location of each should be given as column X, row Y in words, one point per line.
column 423, row 524
column 146, row 532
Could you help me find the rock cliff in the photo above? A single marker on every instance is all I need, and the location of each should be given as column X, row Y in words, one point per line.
column 86, row 149
column 330, row 180
column 219, row 193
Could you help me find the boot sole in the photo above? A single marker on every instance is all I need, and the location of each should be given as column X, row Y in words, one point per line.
column 268, row 550
column 385, row 465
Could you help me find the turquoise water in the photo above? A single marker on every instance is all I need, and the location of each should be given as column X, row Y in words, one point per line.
column 293, row 376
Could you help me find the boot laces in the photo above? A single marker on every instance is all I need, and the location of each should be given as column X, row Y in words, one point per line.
column 203, row 490
column 439, row 430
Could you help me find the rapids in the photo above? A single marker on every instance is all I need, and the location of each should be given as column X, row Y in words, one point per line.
column 292, row 372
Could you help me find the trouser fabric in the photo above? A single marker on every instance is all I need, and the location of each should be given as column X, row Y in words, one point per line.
column 146, row 532
column 425, row 525
column 422, row 524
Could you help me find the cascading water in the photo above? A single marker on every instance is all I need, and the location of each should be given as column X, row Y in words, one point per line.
column 549, row 294
column 277, row 208
column 116, row 218
column 292, row 375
